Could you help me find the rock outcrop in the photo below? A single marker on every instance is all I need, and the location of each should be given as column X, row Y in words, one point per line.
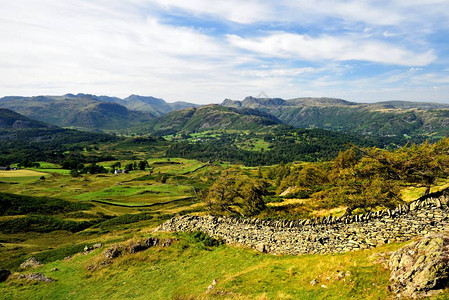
column 421, row 267
column 31, row 262
column 322, row 235
column 35, row 277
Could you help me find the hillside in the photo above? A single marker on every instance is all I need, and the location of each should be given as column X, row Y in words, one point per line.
column 23, row 139
column 382, row 118
column 155, row 106
column 105, row 116
column 11, row 119
column 91, row 112
column 212, row 117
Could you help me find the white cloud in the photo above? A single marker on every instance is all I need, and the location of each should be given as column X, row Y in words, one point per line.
column 233, row 10
column 120, row 47
column 279, row 72
column 282, row 44
column 79, row 46
column 301, row 11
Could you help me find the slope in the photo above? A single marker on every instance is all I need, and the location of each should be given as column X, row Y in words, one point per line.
column 81, row 111
column 212, row 117
column 11, row 119
column 389, row 118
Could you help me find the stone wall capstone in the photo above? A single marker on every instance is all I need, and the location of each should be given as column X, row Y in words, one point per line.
column 322, row 235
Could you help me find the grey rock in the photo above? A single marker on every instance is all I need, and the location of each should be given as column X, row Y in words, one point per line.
column 113, row 252
column 152, row 241
column 211, row 286
column 167, row 242
column 261, row 248
column 37, row 277
column 31, row 262
column 137, row 247
column 421, row 266
column 319, row 235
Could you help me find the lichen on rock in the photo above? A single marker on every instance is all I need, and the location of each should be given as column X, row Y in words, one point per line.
column 421, row 267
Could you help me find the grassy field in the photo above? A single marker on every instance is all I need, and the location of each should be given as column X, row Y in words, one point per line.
column 126, row 207
column 119, row 195
column 20, row 173
column 185, row 270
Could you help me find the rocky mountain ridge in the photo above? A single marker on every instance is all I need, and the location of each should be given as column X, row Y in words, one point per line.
column 387, row 118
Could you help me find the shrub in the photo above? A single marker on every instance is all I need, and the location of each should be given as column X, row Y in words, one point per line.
column 11, row 204
column 40, row 223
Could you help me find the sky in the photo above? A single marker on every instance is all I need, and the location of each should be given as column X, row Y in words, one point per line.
column 204, row 51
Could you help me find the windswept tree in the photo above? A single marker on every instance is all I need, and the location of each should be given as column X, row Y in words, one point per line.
column 359, row 182
column 418, row 165
column 236, row 193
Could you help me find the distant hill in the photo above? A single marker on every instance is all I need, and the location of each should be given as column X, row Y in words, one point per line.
column 91, row 112
column 23, row 139
column 210, row 117
column 158, row 107
column 81, row 111
column 382, row 118
column 12, row 120
column 106, row 116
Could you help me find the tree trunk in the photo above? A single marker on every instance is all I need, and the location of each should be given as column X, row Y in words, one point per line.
column 427, row 192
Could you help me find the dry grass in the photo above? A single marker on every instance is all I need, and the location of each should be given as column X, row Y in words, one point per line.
column 20, row 173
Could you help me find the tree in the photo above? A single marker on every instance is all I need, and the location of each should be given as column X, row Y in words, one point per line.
column 129, row 167
column 358, row 181
column 235, row 193
column 143, row 164
column 419, row 165
column 116, row 165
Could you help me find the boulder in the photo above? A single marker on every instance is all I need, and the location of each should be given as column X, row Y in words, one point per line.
column 113, row 252
column 31, row 262
column 37, row 277
column 261, row 248
column 420, row 267
column 137, row 247
column 167, row 242
column 152, row 242
column 4, row 274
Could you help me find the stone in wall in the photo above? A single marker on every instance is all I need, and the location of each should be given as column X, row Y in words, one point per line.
column 322, row 235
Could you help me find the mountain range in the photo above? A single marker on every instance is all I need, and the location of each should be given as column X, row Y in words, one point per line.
column 91, row 112
column 11, row 120
column 144, row 114
column 212, row 117
column 381, row 118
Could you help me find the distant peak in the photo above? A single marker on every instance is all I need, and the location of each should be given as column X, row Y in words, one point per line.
column 262, row 95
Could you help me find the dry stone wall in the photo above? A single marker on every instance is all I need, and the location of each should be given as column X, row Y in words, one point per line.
column 323, row 235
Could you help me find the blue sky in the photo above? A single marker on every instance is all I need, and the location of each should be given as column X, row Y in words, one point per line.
column 204, row 51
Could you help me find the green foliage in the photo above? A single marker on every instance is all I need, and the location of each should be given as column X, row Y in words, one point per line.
column 94, row 169
column 47, row 144
column 11, row 204
column 284, row 146
column 143, row 164
column 382, row 119
column 41, row 223
column 366, row 178
column 124, row 219
column 235, row 193
column 80, row 111
column 202, row 240
column 59, row 253
column 419, row 165
column 211, row 117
